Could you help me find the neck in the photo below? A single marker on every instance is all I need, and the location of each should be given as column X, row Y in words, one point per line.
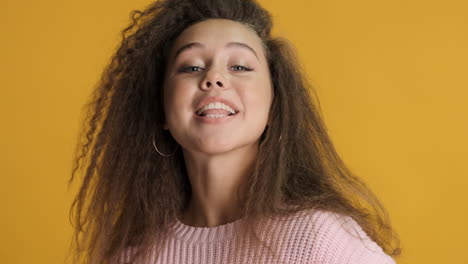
column 217, row 182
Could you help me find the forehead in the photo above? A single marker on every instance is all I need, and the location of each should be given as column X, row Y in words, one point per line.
column 216, row 33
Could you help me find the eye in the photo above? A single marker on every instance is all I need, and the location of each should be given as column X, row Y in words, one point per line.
column 190, row 69
column 241, row 68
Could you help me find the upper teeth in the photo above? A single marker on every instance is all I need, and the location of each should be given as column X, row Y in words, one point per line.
column 216, row 105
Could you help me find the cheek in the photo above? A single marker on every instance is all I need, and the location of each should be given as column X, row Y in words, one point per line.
column 177, row 99
column 256, row 99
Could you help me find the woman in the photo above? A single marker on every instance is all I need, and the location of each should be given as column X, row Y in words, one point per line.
column 204, row 145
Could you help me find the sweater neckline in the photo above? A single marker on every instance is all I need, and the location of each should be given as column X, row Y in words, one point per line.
column 194, row 234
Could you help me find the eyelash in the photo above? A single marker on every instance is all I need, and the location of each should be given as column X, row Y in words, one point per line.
column 187, row 68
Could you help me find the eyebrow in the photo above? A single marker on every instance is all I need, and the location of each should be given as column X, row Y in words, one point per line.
column 230, row 44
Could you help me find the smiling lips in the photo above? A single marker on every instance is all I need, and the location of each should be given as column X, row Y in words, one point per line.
column 216, row 110
column 216, row 107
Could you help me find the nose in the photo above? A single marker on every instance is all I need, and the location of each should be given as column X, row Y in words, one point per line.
column 218, row 83
column 212, row 79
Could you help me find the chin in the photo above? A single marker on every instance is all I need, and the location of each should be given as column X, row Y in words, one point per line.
column 213, row 148
column 223, row 146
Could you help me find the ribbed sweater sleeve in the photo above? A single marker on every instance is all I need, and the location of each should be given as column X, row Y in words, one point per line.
column 318, row 237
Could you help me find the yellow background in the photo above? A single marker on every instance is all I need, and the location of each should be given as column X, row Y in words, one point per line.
column 392, row 77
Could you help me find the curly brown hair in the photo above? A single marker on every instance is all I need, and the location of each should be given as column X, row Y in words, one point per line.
column 129, row 194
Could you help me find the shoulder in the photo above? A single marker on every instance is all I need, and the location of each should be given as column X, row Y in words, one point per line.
column 333, row 238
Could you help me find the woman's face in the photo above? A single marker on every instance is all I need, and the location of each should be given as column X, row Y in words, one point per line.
column 217, row 89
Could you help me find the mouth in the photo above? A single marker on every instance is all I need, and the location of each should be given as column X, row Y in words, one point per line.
column 216, row 110
column 216, row 107
column 215, row 116
column 215, row 113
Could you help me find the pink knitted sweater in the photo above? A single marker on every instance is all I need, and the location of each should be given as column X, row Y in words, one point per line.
column 306, row 237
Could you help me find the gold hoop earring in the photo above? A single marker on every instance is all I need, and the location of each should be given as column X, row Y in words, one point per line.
column 164, row 155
